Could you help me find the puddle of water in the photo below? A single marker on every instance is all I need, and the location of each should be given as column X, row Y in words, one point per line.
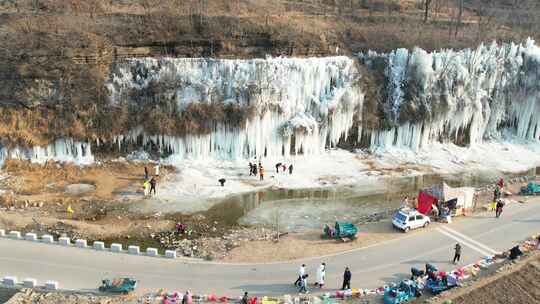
column 306, row 209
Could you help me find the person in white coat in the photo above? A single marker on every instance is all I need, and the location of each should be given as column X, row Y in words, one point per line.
column 321, row 273
column 301, row 273
column 156, row 169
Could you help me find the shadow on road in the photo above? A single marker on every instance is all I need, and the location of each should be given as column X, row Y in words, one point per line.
column 395, row 278
column 269, row 288
column 422, row 263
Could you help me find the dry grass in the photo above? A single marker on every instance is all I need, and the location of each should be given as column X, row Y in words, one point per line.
column 55, row 57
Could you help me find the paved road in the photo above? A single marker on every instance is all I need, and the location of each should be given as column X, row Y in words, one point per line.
column 75, row 268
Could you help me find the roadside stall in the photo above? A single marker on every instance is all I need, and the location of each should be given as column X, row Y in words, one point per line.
column 446, row 200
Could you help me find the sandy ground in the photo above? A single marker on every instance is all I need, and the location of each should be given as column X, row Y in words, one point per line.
column 302, row 245
column 32, row 296
column 516, row 284
column 37, row 200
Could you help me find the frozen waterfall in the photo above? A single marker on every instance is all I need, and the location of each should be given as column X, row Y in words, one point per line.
column 461, row 96
column 301, row 105
column 61, row 150
column 306, row 105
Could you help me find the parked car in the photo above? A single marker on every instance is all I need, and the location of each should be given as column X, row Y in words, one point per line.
column 408, row 219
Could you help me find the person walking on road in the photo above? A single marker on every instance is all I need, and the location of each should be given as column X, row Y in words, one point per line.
column 301, row 273
column 346, row 279
column 321, row 273
column 303, row 284
column 457, row 253
column 499, row 208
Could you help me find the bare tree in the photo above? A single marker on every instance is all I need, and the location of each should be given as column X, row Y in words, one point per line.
column 427, row 4
column 460, row 15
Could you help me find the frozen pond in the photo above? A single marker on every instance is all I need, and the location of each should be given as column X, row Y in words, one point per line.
column 307, row 209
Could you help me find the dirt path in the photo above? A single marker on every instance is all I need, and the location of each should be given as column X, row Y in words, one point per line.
column 310, row 244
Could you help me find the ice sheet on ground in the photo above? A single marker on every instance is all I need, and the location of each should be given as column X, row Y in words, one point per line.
column 196, row 182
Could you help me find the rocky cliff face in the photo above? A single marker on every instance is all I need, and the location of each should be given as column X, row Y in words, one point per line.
column 239, row 108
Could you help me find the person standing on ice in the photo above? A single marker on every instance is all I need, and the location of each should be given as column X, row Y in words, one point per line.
column 277, row 167
column 321, row 273
column 290, row 169
column 284, row 168
column 261, row 173
column 153, row 186
column 146, row 187
column 156, row 169
column 250, row 169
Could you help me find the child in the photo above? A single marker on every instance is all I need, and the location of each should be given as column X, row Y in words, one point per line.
column 146, row 187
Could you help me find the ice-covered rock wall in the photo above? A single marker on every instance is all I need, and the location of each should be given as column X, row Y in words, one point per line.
column 463, row 96
column 305, row 105
column 302, row 105
column 62, row 150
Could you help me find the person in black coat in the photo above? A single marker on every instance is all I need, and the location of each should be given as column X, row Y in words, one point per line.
column 153, row 186
column 346, row 279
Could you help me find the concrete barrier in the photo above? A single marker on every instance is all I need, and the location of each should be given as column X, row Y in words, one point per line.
column 151, row 252
column 2, row 232
column 15, row 235
column 30, row 237
column 64, row 241
column 80, row 243
column 116, row 247
column 29, row 283
column 10, row 281
column 134, row 250
column 51, row 285
column 171, row 254
column 47, row 239
column 99, row 246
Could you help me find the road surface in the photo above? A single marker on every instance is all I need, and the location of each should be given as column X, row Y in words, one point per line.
column 480, row 235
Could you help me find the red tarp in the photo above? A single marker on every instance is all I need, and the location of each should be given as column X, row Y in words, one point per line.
column 425, row 201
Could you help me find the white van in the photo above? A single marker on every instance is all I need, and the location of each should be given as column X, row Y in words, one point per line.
column 407, row 219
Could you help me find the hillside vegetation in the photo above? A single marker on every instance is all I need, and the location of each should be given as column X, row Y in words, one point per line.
column 55, row 55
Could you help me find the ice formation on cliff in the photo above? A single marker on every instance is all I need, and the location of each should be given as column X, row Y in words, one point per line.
column 301, row 105
column 62, row 150
column 467, row 95
column 305, row 105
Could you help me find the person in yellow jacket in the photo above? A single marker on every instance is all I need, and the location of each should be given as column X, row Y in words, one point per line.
column 146, row 187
